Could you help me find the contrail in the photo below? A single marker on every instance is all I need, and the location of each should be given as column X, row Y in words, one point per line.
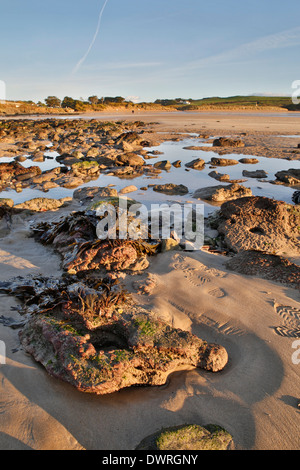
column 79, row 64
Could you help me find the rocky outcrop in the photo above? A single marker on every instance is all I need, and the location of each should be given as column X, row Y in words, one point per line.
column 128, row 349
column 261, row 224
column 219, row 194
column 90, row 334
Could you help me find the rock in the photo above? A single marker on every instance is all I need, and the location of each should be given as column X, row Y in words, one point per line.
column 95, row 193
column 94, row 336
column 220, row 193
column 128, row 189
column 217, row 161
column 249, row 161
column 219, row 176
column 290, row 177
column 6, row 202
column 14, row 170
column 169, row 244
column 267, row 266
column 197, row 164
column 130, row 159
column 171, row 189
column 192, row 147
column 255, row 174
column 261, row 224
column 164, row 165
column 224, row 142
column 188, row 438
column 296, row 197
column 177, row 164
column 42, row 204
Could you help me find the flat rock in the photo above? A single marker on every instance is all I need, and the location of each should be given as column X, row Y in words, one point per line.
column 171, row 189
column 219, row 194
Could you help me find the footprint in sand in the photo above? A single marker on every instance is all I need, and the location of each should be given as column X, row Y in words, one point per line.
column 291, row 321
column 197, row 276
column 217, row 293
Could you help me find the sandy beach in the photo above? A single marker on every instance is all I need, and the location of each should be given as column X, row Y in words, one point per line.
column 255, row 398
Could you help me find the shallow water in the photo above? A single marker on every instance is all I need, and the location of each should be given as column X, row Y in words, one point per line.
column 193, row 179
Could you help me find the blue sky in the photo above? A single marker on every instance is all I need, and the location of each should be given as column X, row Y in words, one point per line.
column 148, row 49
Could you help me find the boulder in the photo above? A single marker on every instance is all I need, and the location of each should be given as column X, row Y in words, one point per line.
column 164, row 165
column 249, row 161
column 261, row 224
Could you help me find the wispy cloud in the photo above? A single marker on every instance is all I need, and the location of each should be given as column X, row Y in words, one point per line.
column 82, row 60
column 121, row 66
column 280, row 40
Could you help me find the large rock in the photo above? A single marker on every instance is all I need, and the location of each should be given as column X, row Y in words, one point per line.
column 219, row 194
column 101, row 351
column 255, row 174
column 260, row 223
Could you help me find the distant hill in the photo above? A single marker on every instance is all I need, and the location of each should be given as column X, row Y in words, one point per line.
column 237, row 102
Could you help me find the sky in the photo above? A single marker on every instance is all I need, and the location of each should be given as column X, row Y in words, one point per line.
column 148, row 49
